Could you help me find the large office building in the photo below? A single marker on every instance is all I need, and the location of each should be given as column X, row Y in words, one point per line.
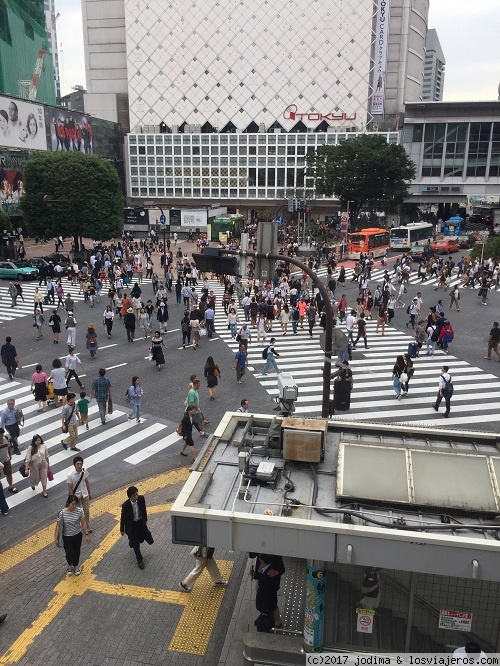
column 51, row 16
column 434, row 67
column 226, row 98
column 23, row 47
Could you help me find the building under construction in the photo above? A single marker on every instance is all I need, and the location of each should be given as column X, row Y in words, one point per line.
column 26, row 67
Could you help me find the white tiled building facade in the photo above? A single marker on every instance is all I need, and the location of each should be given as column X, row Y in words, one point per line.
column 242, row 88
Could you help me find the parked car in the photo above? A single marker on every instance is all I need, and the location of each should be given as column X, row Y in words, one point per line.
column 466, row 242
column 445, row 245
column 420, row 253
column 39, row 262
column 18, row 270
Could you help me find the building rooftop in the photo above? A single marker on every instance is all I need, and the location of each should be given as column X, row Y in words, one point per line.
column 405, row 498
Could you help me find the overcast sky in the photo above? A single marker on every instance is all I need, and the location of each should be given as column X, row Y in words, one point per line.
column 468, row 33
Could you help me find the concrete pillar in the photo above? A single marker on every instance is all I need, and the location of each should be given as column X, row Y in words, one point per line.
column 314, row 608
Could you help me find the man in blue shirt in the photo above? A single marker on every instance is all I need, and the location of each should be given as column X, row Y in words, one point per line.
column 209, row 321
column 9, row 423
column 240, row 362
column 101, row 390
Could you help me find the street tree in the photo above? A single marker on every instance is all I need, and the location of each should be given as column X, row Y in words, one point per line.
column 362, row 172
column 72, row 194
column 5, row 223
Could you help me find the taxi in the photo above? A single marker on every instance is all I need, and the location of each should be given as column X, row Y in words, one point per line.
column 445, row 245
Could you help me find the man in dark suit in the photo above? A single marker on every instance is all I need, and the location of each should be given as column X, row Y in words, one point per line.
column 268, row 571
column 133, row 523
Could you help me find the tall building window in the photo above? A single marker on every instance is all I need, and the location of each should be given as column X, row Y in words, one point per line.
column 495, row 152
column 479, row 139
column 4, row 24
column 456, row 136
column 433, row 149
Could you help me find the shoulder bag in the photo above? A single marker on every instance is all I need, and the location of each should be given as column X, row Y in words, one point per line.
column 66, row 421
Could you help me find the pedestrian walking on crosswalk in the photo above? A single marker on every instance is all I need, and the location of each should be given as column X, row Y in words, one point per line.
column 445, row 390
column 270, row 358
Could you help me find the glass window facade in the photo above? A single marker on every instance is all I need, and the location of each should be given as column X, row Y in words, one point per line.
column 245, row 166
column 455, row 149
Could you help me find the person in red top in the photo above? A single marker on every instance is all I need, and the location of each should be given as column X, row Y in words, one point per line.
column 342, row 304
column 126, row 304
column 302, row 307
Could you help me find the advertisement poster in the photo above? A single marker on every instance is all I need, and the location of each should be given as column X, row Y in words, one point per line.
column 380, row 57
column 314, row 610
column 69, row 131
column 11, row 180
column 22, row 124
column 194, row 219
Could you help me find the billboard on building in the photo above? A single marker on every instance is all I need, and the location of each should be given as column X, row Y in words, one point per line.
column 22, row 124
column 382, row 19
column 69, row 131
column 11, row 180
column 194, row 219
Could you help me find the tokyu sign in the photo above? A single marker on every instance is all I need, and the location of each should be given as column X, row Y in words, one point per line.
column 291, row 113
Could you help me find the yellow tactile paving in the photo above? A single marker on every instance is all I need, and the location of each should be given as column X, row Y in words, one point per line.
column 201, row 606
column 108, row 504
column 145, row 593
column 201, row 612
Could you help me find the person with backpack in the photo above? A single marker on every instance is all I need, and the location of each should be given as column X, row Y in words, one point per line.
column 294, row 318
column 91, row 337
column 446, row 336
column 269, row 353
column 71, row 364
column 70, row 324
column 445, row 390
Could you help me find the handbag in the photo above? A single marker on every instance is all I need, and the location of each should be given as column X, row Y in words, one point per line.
column 110, row 406
column 50, row 475
column 203, row 331
column 403, row 378
column 179, row 429
column 216, row 372
column 197, row 551
column 22, row 470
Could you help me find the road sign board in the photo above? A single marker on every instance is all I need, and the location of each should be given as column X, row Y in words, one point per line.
column 163, row 219
column 279, row 219
column 339, row 341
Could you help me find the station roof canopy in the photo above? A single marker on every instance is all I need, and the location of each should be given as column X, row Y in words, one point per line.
column 401, row 497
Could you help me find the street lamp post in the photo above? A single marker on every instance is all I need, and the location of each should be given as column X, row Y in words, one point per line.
column 327, row 365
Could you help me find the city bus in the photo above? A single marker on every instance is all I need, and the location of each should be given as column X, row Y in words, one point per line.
column 415, row 233
column 368, row 241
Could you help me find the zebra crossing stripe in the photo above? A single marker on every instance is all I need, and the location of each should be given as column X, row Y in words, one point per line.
column 373, row 399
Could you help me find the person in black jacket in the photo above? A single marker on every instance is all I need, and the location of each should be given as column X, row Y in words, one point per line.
column 129, row 321
column 267, row 572
column 133, row 523
column 187, row 432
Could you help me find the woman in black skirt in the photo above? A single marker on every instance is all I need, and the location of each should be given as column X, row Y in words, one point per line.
column 212, row 374
column 157, row 351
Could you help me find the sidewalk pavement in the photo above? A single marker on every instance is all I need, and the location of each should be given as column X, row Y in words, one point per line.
column 114, row 614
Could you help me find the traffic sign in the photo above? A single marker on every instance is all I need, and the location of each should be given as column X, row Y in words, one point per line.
column 365, row 620
column 163, row 219
column 279, row 219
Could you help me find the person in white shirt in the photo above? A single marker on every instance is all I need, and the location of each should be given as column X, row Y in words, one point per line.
column 78, row 484
column 350, row 323
column 243, row 408
column 471, row 653
column 72, row 363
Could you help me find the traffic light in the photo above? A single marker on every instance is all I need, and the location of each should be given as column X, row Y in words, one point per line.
column 211, row 261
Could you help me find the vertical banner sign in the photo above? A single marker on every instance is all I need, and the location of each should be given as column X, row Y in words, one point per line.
column 344, row 225
column 380, row 57
column 314, row 610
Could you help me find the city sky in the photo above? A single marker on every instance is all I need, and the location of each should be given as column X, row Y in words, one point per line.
column 469, row 40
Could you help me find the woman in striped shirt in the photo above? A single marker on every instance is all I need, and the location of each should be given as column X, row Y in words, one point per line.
column 70, row 522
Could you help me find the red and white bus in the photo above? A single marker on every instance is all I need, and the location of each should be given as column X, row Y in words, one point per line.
column 368, row 241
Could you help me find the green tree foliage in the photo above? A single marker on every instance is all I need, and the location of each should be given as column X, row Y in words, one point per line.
column 491, row 249
column 365, row 171
column 86, row 191
column 5, row 223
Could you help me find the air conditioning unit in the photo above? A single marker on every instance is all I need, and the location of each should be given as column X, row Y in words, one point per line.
column 262, row 128
column 175, row 129
column 197, row 129
column 277, row 130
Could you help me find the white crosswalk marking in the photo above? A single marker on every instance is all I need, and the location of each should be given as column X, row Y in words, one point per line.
column 377, row 275
column 25, row 308
column 97, row 445
column 475, row 399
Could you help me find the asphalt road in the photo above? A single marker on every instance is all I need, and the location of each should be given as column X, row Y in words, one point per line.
column 165, row 391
